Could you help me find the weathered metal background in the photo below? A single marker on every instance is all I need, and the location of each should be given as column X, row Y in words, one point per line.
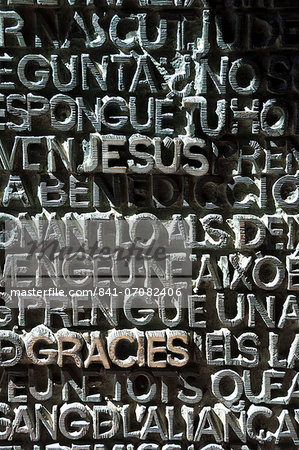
column 167, row 128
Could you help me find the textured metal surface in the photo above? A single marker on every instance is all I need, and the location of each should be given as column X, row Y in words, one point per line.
column 160, row 133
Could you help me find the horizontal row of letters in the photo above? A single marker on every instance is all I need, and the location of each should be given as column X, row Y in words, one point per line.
column 272, row 118
column 159, row 349
column 122, row 72
column 187, row 31
column 110, row 311
column 142, row 386
column 142, row 154
column 215, row 231
column 166, row 424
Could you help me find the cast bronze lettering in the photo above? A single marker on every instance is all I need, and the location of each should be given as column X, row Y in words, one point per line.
column 149, row 225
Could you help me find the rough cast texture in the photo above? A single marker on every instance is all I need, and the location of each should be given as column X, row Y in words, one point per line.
column 157, row 121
